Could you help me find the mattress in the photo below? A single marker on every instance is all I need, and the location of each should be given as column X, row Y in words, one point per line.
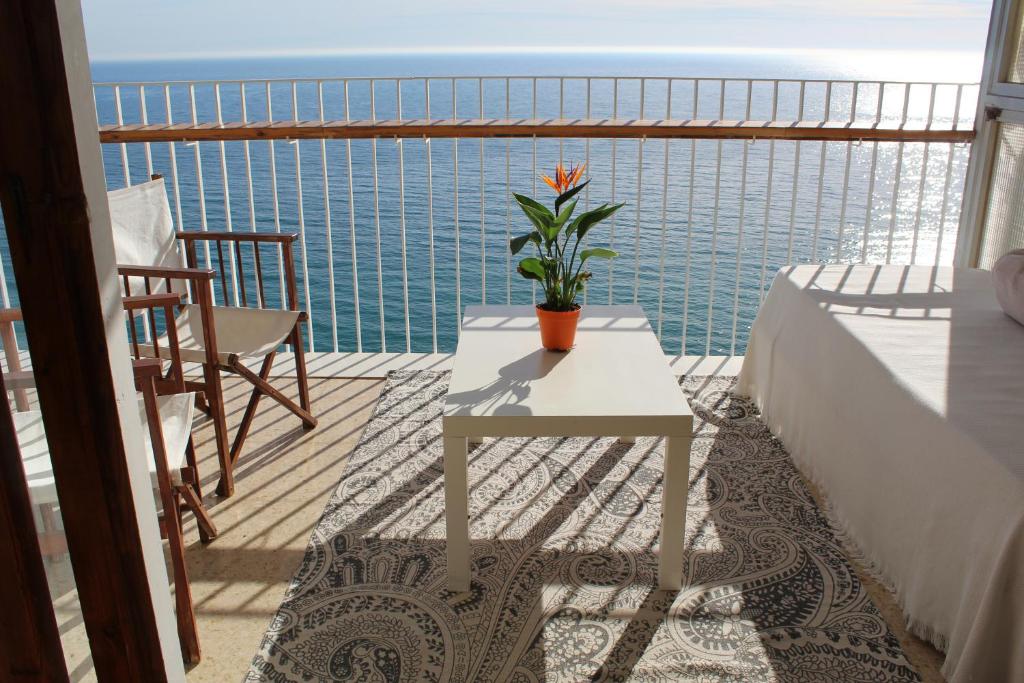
column 899, row 390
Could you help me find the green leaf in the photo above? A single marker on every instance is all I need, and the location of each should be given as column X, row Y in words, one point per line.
column 599, row 252
column 531, row 268
column 525, row 201
column 584, row 222
column 569, row 194
column 550, row 233
column 517, row 243
column 574, row 226
column 540, row 221
column 564, row 215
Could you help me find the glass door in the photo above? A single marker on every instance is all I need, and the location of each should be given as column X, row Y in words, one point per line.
column 992, row 221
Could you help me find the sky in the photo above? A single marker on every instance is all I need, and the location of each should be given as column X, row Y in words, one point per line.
column 132, row 30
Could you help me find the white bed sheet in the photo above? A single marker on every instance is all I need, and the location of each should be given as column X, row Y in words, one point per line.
column 900, row 392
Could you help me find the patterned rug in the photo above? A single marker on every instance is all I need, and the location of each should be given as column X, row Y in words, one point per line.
column 564, row 569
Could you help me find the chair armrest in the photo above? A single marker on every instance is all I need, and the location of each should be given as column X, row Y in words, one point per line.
column 166, row 272
column 15, row 379
column 19, row 379
column 279, row 237
column 9, row 315
column 146, row 368
column 147, row 372
column 132, row 303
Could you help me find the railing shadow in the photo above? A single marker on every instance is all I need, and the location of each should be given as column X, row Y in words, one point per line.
column 559, row 534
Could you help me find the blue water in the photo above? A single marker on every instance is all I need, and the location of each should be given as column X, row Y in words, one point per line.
column 698, row 269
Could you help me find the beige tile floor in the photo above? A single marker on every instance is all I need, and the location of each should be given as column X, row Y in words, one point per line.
column 283, row 480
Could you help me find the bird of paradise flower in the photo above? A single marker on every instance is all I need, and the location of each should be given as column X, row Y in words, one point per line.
column 555, row 265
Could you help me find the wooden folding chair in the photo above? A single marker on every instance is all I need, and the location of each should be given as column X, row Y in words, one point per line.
column 220, row 337
column 175, row 405
column 35, row 456
column 166, row 410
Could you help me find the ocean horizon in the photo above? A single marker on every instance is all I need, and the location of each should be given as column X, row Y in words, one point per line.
column 701, row 62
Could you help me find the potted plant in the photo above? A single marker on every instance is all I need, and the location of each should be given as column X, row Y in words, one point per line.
column 558, row 268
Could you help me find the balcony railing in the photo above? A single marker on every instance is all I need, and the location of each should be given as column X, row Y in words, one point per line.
column 401, row 188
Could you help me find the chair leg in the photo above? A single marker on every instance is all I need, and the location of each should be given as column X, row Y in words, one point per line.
column 52, row 542
column 300, row 371
column 202, row 405
column 250, row 409
column 215, row 399
column 266, row 388
column 187, row 632
column 190, row 458
column 207, row 529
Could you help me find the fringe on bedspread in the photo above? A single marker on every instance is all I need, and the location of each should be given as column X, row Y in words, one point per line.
column 852, row 548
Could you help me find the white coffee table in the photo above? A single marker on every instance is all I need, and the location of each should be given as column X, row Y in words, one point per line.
column 615, row 382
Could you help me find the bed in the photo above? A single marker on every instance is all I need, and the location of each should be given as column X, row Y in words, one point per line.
column 899, row 390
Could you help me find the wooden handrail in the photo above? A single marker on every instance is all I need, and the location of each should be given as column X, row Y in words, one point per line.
column 527, row 128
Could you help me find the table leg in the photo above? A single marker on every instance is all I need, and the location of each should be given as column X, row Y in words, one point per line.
column 627, row 439
column 456, row 511
column 674, row 490
column 474, row 440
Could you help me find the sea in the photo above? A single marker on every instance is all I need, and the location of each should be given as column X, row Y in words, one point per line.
column 412, row 231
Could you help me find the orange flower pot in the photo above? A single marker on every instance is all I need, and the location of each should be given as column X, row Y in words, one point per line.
column 558, row 328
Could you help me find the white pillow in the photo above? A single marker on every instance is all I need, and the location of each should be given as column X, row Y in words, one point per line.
column 1008, row 279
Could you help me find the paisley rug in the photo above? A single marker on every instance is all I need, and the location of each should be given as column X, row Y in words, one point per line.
column 564, row 569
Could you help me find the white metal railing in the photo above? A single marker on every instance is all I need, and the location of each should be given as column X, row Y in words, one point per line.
column 709, row 220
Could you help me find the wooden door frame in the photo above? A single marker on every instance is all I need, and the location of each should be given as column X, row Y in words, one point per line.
column 58, row 226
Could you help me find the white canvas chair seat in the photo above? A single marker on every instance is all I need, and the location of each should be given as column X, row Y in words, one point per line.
column 176, row 423
column 243, row 332
column 175, row 419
